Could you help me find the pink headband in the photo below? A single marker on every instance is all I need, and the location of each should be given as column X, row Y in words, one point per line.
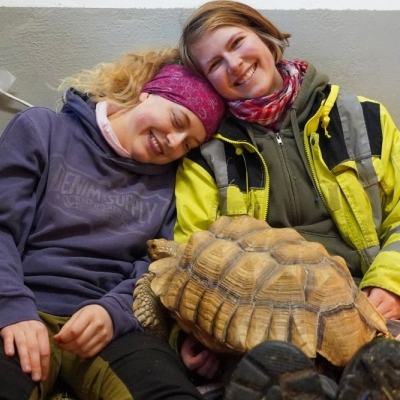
column 181, row 86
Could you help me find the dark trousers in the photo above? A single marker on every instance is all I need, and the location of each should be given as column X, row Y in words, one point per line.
column 136, row 366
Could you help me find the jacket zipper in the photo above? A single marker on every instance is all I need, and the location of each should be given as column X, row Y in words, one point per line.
column 311, row 164
column 278, row 139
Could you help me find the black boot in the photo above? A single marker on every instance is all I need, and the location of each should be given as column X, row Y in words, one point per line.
column 274, row 370
column 373, row 373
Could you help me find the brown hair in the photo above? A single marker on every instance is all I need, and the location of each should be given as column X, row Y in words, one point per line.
column 215, row 14
column 121, row 82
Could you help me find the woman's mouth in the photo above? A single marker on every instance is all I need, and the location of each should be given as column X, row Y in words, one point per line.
column 246, row 76
column 154, row 144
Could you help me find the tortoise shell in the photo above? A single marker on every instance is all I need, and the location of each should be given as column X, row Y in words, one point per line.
column 242, row 282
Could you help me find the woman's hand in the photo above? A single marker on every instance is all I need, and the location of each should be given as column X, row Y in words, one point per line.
column 87, row 332
column 387, row 303
column 30, row 340
column 198, row 358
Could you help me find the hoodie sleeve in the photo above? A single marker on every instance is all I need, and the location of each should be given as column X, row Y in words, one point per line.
column 22, row 162
column 119, row 301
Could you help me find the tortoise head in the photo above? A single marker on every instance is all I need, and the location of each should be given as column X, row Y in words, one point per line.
column 162, row 248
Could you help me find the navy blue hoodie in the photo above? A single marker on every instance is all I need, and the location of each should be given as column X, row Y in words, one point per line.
column 74, row 217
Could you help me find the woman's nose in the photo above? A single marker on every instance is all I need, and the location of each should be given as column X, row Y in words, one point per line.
column 233, row 62
column 175, row 139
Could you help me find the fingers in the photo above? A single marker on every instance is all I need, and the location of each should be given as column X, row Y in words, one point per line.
column 198, row 358
column 72, row 330
column 44, row 350
column 210, row 366
column 87, row 332
column 8, row 339
column 387, row 303
column 36, row 355
column 31, row 340
column 367, row 291
column 87, row 344
column 388, row 310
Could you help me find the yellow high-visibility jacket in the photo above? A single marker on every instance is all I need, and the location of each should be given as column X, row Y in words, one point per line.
column 352, row 147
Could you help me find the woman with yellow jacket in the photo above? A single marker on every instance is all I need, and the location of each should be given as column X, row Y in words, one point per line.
column 295, row 150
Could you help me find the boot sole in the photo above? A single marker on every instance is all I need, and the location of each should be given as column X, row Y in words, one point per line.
column 373, row 373
column 274, row 370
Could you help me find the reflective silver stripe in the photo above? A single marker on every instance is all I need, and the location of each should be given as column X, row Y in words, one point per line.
column 370, row 253
column 357, row 144
column 394, row 230
column 214, row 154
column 353, row 124
column 372, row 192
column 395, row 246
column 391, row 232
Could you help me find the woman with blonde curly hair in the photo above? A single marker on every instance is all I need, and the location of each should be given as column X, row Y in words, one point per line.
column 82, row 190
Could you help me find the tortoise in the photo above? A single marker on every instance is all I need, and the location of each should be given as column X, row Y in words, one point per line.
column 241, row 282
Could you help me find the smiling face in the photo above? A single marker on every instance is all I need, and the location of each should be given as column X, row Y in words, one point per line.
column 237, row 63
column 157, row 130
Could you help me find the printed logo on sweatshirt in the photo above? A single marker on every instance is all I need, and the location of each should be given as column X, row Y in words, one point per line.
column 78, row 195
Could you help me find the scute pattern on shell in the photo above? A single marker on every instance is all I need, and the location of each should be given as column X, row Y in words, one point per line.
column 242, row 282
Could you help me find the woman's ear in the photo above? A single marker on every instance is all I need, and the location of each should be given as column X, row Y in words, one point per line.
column 143, row 96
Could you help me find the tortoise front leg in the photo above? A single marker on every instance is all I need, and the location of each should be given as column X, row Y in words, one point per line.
column 148, row 309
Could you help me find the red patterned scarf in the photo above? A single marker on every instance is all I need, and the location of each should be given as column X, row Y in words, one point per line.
column 271, row 110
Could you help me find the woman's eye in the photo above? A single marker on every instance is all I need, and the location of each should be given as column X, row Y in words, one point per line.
column 176, row 122
column 237, row 41
column 213, row 66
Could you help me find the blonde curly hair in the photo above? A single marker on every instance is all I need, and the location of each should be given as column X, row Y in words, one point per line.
column 121, row 82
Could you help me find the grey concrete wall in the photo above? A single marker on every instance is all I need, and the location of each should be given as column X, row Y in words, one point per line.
column 358, row 49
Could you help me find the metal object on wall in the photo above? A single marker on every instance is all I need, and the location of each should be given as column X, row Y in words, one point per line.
column 6, row 80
